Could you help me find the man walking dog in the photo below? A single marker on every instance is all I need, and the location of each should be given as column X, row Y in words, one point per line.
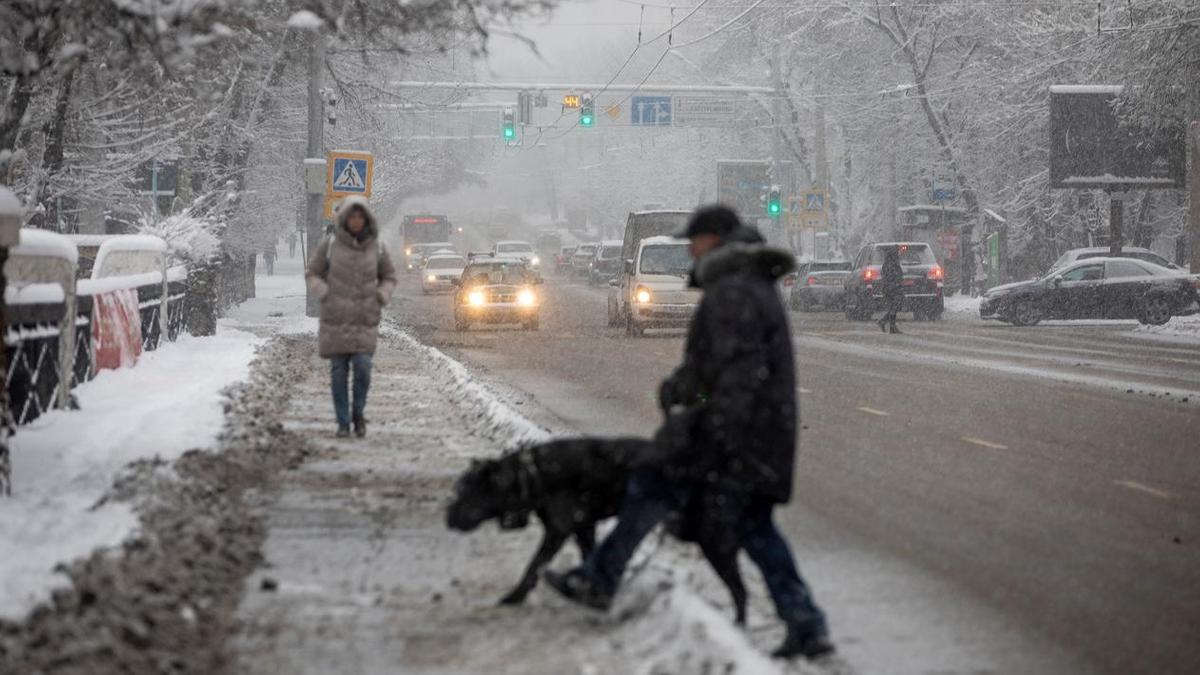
column 352, row 275
column 727, row 445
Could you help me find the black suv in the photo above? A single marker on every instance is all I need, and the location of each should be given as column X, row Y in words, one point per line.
column 923, row 279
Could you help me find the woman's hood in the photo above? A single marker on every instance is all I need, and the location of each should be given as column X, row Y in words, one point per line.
column 343, row 211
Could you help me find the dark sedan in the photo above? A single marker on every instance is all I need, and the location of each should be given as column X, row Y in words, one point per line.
column 820, row 283
column 1096, row 288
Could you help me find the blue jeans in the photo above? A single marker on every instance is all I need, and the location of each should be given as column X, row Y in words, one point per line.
column 339, row 371
column 650, row 497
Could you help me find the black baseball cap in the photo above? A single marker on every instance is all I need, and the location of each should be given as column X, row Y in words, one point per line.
column 715, row 219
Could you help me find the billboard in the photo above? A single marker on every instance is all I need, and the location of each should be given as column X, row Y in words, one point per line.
column 1091, row 148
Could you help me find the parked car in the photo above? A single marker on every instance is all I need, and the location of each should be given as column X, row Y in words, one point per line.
column 606, row 263
column 1077, row 254
column 562, row 261
column 581, row 259
column 923, row 279
column 517, row 249
column 496, row 290
column 440, row 270
column 1096, row 288
column 657, row 293
column 820, row 283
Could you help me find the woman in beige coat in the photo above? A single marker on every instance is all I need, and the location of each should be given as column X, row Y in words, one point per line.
column 352, row 275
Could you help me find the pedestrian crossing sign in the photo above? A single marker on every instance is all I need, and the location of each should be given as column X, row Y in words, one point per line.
column 349, row 173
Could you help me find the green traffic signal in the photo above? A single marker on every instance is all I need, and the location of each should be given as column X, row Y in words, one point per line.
column 509, row 132
column 773, row 207
column 586, row 120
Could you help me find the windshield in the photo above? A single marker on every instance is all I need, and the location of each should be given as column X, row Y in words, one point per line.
column 672, row 259
column 446, row 263
column 841, row 266
column 610, row 252
column 514, row 247
column 497, row 273
column 910, row 254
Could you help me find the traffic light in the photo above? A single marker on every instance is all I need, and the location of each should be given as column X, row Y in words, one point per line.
column 587, row 112
column 774, row 202
column 509, row 130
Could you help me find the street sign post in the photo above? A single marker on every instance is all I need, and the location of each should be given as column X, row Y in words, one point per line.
column 650, row 111
column 943, row 186
column 350, row 172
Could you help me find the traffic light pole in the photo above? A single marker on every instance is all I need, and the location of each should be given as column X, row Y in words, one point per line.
column 316, row 132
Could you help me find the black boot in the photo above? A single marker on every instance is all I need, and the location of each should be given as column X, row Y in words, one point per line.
column 578, row 587
column 882, row 323
column 893, row 329
column 360, row 426
column 343, row 432
column 804, row 644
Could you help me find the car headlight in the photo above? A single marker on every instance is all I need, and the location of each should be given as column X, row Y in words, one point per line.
column 642, row 295
column 535, row 260
column 475, row 298
column 526, row 298
column 408, row 251
column 431, row 278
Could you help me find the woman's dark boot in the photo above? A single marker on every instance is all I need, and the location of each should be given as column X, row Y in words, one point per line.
column 882, row 323
column 798, row 643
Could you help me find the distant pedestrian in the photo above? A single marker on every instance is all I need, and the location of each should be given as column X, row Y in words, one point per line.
column 269, row 259
column 352, row 275
column 728, row 441
column 291, row 245
column 891, row 280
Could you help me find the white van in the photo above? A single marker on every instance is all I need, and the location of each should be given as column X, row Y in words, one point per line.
column 653, row 292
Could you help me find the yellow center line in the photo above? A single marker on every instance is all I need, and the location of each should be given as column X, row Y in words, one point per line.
column 1141, row 487
column 872, row 411
column 985, row 444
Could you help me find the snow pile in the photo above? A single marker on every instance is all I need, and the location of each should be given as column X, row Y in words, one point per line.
column 33, row 294
column 278, row 305
column 1179, row 327
column 963, row 304
column 305, row 20
column 495, row 419
column 65, row 461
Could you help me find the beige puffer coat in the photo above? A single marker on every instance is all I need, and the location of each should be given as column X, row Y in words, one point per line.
column 354, row 278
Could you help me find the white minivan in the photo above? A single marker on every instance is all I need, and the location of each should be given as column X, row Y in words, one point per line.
column 653, row 292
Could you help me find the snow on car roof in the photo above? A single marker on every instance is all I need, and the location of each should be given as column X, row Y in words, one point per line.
column 509, row 242
column 662, row 239
column 612, row 242
column 642, row 213
column 1092, row 249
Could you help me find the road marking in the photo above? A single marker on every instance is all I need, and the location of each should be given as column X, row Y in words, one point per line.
column 1141, row 487
column 872, row 411
column 802, row 390
column 985, row 444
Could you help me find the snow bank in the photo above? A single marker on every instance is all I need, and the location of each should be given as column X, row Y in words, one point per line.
column 65, row 461
column 45, row 243
column 120, row 283
column 1180, row 327
column 962, row 304
column 496, row 420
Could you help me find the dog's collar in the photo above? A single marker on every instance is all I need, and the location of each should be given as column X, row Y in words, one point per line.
column 529, row 480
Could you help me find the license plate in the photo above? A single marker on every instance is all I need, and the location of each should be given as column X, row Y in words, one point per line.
column 908, row 282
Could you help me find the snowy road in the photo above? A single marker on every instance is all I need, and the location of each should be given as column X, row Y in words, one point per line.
column 970, row 496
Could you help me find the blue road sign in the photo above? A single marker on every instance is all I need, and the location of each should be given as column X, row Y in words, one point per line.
column 350, row 175
column 651, row 111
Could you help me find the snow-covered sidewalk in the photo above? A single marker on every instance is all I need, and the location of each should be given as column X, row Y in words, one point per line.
column 65, row 461
column 362, row 576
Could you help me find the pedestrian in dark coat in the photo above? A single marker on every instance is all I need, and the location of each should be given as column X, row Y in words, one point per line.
column 891, row 279
column 726, row 449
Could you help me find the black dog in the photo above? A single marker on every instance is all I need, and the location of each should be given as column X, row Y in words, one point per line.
column 571, row 485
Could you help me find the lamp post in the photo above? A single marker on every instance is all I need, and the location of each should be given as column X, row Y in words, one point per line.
column 12, row 214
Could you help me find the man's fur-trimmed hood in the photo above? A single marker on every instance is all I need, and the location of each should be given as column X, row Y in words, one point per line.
column 769, row 262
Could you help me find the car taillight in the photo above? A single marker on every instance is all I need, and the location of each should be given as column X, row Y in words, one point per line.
column 937, row 272
column 812, row 281
column 870, row 274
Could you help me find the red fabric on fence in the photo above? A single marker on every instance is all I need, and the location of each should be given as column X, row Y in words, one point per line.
column 116, row 329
